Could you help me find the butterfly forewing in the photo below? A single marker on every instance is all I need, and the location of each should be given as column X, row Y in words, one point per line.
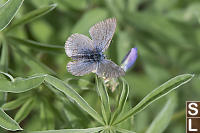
column 88, row 54
column 78, row 44
column 109, row 69
column 81, row 67
column 102, row 33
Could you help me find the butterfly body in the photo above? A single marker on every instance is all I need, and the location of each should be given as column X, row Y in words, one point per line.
column 88, row 55
column 92, row 57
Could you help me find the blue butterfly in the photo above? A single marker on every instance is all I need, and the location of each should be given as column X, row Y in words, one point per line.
column 88, row 55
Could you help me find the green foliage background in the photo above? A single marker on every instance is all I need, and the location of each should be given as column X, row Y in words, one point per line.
column 166, row 33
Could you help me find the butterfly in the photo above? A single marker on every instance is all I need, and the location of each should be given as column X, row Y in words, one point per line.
column 88, row 54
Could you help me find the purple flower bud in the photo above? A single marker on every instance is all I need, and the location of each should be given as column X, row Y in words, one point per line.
column 129, row 59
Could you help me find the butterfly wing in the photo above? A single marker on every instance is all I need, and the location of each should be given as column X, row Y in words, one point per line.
column 102, row 33
column 78, row 44
column 109, row 69
column 81, row 67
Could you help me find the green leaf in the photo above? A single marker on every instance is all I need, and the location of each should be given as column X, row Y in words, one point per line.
column 124, row 96
column 105, row 104
column 3, row 98
column 89, row 19
column 4, row 57
column 25, row 110
column 76, row 111
column 153, row 24
column 122, row 100
column 162, row 120
column 47, row 115
column 123, row 130
column 3, row 66
column 19, row 85
column 192, row 11
column 8, row 11
column 89, row 130
column 31, row 16
column 132, row 5
column 156, row 94
column 67, row 90
column 2, row 2
column 81, row 84
column 39, row 3
column 164, row 5
column 5, row 75
column 77, row 4
column 72, row 4
column 112, row 6
column 36, row 45
column 15, row 103
column 33, row 63
column 7, row 122
column 123, row 42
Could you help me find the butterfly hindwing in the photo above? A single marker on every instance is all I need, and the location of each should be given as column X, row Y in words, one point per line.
column 109, row 69
column 88, row 55
column 78, row 44
column 102, row 33
column 81, row 67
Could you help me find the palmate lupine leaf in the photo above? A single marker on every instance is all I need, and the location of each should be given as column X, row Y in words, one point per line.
column 8, row 11
column 122, row 101
column 24, row 84
column 89, row 130
column 7, row 122
column 31, row 16
column 156, row 94
column 123, row 96
column 67, row 90
column 162, row 120
column 105, row 104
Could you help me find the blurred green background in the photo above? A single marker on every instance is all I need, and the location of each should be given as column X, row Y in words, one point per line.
column 166, row 33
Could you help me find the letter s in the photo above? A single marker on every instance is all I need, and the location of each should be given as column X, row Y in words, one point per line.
column 193, row 108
